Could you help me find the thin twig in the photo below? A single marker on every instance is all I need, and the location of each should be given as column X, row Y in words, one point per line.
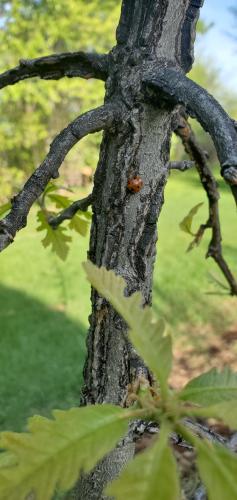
column 181, row 165
column 69, row 212
column 55, row 66
column 140, row 427
column 191, row 146
column 98, row 119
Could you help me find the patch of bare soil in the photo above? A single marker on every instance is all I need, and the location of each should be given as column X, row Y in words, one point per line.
column 202, row 350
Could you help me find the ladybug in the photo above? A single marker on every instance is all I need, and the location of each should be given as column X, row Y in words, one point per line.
column 135, row 184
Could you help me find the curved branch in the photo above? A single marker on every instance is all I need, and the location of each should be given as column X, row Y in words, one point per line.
column 92, row 121
column 171, row 85
column 191, row 146
column 69, row 212
column 56, row 66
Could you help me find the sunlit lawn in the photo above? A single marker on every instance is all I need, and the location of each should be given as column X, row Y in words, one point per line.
column 44, row 304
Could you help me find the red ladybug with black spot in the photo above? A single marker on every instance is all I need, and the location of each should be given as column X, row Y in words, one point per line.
column 135, row 184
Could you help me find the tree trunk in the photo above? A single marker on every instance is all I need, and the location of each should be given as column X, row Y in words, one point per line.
column 124, row 227
column 123, row 238
column 151, row 33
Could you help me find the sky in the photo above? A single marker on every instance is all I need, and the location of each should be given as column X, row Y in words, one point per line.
column 218, row 45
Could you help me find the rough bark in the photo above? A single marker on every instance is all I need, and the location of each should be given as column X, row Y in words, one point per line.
column 92, row 487
column 124, row 227
column 168, row 83
column 124, row 239
column 124, row 232
column 57, row 66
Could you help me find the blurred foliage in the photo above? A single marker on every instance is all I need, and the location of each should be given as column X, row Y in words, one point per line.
column 33, row 111
column 203, row 27
column 11, row 180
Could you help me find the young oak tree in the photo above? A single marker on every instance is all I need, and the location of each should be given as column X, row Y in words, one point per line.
column 146, row 89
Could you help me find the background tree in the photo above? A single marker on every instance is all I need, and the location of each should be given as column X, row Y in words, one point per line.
column 145, row 81
column 46, row 107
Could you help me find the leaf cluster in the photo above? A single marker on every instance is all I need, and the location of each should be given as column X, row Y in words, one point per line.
column 34, row 111
column 53, row 453
column 58, row 239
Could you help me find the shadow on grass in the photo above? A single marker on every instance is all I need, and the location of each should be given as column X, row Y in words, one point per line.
column 41, row 359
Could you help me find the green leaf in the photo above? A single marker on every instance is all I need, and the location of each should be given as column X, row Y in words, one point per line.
column 79, row 224
column 7, row 459
column 87, row 215
column 218, row 470
column 186, row 224
column 56, row 238
column 60, row 200
column 5, row 208
column 50, row 188
column 152, row 475
column 225, row 411
column 211, row 387
column 147, row 334
column 53, row 452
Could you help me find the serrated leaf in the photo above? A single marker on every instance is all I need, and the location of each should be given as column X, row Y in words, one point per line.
column 53, row 452
column 42, row 218
column 186, row 223
column 5, row 208
column 50, row 188
column 60, row 200
column 56, row 238
column 79, row 225
column 147, row 334
column 152, row 475
column 218, row 470
column 211, row 387
column 225, row 411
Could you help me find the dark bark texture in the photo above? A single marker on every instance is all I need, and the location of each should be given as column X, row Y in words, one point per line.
column 124, row 226
column 56, row 66
column 171, row 85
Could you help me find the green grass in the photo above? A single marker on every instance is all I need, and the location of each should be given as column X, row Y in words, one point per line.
column 44, row 304
column 184, row 284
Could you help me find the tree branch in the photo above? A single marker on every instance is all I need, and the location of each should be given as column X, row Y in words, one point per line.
column 191, row 146
column 92, row 121
column 57, row 66
column 170, row 84
column 181, row 165
column 69, row 212
column 91, row 485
